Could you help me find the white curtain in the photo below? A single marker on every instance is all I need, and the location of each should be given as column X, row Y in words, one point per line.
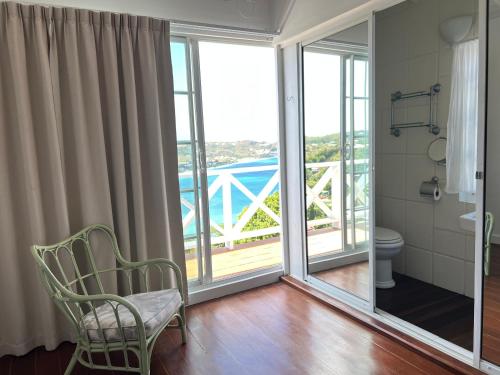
column 462, row 121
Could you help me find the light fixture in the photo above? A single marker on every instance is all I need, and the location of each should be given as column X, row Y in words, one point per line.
column 455, row 29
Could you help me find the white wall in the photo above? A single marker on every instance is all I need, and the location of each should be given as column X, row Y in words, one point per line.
column 410, row 56
column 493, row 127
column 309, row 13
column 263, row 15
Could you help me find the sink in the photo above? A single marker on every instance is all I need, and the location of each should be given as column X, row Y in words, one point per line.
column 468, row 221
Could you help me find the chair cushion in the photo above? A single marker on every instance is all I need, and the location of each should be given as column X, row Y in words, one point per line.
column 155, row 309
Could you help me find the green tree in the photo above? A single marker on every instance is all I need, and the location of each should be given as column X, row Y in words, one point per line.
column 261, row 220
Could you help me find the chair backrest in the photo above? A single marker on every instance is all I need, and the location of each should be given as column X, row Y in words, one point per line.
column 68, row 268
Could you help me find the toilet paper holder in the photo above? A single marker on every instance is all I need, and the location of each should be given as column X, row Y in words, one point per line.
column 431, row 189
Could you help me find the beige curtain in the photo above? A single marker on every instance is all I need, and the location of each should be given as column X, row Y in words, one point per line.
column 87, row 135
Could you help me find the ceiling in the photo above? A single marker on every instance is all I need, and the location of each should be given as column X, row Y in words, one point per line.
column 309, row 13
column 285, row 17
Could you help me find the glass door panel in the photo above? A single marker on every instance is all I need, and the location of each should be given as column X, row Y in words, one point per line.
column 335, row 94
column 322, row 153
column 187, row 160
column 240, row 118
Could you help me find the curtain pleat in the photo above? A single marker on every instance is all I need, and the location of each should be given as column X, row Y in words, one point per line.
column 87, row 135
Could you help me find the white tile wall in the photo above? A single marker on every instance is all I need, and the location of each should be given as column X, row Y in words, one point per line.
column 394, row 214
column 393, row 176
column 422, row 39
column 419, row 264
column 418, row 139
column 470, row 244
column 447, row 211
column 423, row 71
column 412, row 57
column 419, row 224
column 469, row 279
column 448, row 273
column 450, row 243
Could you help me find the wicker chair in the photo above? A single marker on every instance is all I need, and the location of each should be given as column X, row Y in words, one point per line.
column 107, row 323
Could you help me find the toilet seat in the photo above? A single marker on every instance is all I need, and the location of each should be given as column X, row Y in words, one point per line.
column 385, row 236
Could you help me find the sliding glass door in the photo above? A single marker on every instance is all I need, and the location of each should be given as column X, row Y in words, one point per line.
column 336, row 151
column 227, row 121
column 336, row 158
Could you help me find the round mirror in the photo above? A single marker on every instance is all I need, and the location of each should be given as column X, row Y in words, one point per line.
column 437, row 150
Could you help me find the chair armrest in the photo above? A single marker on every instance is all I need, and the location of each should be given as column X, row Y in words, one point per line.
column 159, row 262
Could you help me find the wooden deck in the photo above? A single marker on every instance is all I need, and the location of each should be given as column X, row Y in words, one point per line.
column 263, row 254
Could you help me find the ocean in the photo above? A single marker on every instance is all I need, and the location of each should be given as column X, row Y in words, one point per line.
column 254, row 181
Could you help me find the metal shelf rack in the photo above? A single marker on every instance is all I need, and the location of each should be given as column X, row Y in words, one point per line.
column 431, row 125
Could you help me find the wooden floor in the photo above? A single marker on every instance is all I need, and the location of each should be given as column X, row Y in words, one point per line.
column 446, row 314
column 491, row 311
column 269, row 330
column 353, row 278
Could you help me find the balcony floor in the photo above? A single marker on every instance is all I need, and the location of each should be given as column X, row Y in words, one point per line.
column 263, row 254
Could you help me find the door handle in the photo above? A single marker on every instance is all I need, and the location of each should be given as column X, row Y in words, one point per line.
column 202, row 161
column 347, row 151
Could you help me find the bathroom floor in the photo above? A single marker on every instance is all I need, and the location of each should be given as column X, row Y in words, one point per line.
column 444, row 313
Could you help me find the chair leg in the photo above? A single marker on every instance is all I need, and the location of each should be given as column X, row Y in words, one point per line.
column 182, row 323
column 72, row 362
column 145, row 362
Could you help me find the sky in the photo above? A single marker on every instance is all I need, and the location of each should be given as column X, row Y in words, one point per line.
column 321, row 100
column 239, row 92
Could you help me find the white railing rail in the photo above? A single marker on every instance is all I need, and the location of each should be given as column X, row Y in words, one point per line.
column 227, row 232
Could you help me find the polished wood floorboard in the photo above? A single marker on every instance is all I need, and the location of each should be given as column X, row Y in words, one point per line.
column 270, row 330
column 444, row 313
column 491, row 309
column 353, row 278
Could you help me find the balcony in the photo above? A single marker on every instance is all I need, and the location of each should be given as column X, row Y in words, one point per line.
column 236, row 196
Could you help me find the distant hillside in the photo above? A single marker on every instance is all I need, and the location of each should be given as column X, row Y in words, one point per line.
column 222, row 153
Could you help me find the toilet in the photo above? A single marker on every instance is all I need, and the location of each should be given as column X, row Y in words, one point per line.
column 388, row 244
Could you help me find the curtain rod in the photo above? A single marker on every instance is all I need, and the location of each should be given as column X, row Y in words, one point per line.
column 187, row 24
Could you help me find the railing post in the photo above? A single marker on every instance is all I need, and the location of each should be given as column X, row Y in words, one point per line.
column 227, row 210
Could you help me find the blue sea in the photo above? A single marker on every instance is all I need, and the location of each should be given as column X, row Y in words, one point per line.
column 253, row 181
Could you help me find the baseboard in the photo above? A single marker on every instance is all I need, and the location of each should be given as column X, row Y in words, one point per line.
column 427, row 351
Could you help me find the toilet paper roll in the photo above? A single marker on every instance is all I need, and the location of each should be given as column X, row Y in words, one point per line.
column 437, row 193
column 430, row 189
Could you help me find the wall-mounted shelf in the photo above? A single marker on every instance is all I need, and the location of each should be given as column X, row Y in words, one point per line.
column 431, row 124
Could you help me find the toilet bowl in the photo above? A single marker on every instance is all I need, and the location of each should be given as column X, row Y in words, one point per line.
column 388, row 244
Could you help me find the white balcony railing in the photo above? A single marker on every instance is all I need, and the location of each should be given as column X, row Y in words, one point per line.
column 227, row 232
